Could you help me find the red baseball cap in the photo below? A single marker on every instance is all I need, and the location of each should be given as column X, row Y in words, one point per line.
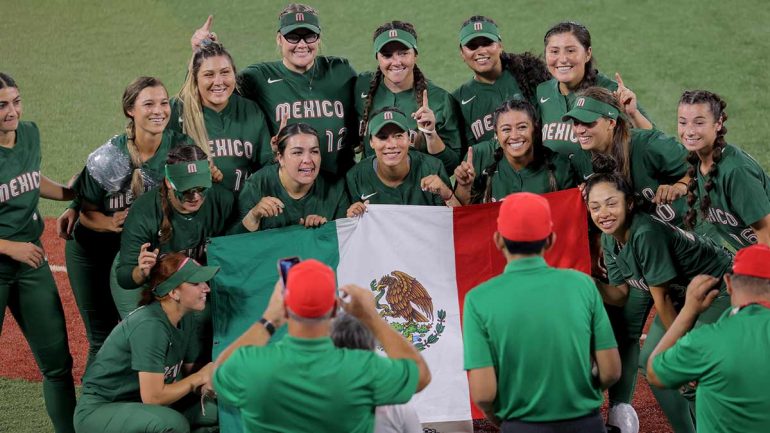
column 753, row 261
column 311, row 289
column 524, row 217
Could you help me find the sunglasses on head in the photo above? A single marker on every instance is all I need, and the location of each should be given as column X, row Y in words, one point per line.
column 294, row 38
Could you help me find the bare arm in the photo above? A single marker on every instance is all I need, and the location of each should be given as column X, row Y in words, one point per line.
column 483, row 383
column 762, row 230
column 608, row 364
column 663, row 304
column 611, row 294
column 54, row 191
column 153, row 390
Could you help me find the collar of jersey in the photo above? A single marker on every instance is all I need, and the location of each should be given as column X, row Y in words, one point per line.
column 526, row 264
column 321, row 344
column 225, row 111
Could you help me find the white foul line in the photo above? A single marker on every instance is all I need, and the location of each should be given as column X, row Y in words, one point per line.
column 58, row 268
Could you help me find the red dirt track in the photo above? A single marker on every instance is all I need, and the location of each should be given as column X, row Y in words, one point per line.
column 16, row 360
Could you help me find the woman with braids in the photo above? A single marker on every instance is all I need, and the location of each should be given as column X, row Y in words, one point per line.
column 228, row 127
column 570, row 61
column 497, row 77
column 293, row 191
column 398, row 82
column 116, row 174
column 27, row 286
column 652, row 163
column 143, row 379
column 396, row 174
column 303, row 86
column 515, row 160
column 729, row 189
column 179, row 216
column 648, row 259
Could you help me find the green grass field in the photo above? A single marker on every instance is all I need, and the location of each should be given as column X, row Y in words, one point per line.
column 73, row 58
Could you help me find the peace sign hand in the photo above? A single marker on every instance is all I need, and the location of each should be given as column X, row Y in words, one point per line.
column 426, row 119
column 625, row 97
column 274, row 139
column 203, row 33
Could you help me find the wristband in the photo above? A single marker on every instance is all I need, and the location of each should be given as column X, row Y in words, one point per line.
column 685, row 185
column 269, row 327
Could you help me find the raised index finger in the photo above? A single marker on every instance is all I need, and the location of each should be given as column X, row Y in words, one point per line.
column 619, row 80
column 207, row 25
column 469, row 158
column 425, row 98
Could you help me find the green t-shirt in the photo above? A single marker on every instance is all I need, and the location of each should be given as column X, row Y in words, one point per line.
column 439, row 100
column 537, row 326
column 729, row 360
column 189, row 235
column 321, row 97
column 364, row 184
column 658, row 253
column 20, row 220
column 507, row 180
column 327, row 198
column 740, row 197
column 145, row 341
column 477, row 102
column 557, row 134
column 656, row 159
column 306, row 384
column 238, row 138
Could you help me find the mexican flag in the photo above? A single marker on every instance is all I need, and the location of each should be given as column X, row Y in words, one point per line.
column 428, row 255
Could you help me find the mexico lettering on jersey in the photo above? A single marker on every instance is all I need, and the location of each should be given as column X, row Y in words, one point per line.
column 719, row 216
column 558, row 131
column 481, row 126
column 231, row 147
column 19, row 185
column 309, row 109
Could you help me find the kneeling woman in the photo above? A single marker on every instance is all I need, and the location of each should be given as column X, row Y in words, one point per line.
column 395, row 175
column 648, row 258
column 141, row 380
column 293, row 191
column 514, row 161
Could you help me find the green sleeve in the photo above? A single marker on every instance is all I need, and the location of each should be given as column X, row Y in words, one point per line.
column 194, row 352
column 90, row 190
column 447, row 126
column 343, row 201
column 351, row 181
column 477, row 353
column 140, row 227
column 655, row 254
column 246, row 87
column 224, row 212
column 250, row 195
column 229, row 378
column 175, row 121
column 148, row 347
column 746, row 194
column 563, row 171
column 666, row 155
column 687, row 360
column 393, row 381
column 603, row 336
column 614, row 274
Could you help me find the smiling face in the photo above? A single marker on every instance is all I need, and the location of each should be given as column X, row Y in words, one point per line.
column 514, row 131
column 216, row 82
column 566, row 59
column 596, row 136
column 298, row 57
column 697, row 127
column 10, row 109
column 151, row 110
column 609, row 209
column 482, row 55
column 192, row 296
column 391, row 145
column 396, row 62
column 301, row 158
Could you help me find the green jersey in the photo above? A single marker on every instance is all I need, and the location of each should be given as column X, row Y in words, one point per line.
column 365, row 185
column 656, row 159
column 659, row 253
column 306, row 384
column 145, row 341
column 190, row 231
column 507, row 180
column 321, row 97
column 477, row 102
column 327, row 198
column 20, row 220
column 557, row 134
column 740, row 196
column 728, row 359
column 440, row 101
column 238, row 138
column 537, row 382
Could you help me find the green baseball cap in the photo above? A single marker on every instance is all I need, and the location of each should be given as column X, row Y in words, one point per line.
column 188, row 175
column 479, row 29
column 394, row 35
column 189, row 271
column 298, row 20
column 589, row 110
column 387, row 117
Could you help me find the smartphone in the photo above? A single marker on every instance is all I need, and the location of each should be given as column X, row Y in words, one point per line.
column 284, row 265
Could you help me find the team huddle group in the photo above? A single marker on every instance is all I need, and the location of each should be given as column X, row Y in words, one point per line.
column 305, row 140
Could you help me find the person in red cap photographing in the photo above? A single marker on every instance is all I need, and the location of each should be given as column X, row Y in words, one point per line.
column 304, row 383
column 532, row 334
column 728, row 359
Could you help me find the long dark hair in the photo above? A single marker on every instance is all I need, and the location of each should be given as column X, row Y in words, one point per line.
column 583, row 36
column 7, row 81
column 621, row 134
column 528, row 69
column 290, row 131
column 177, row 154
column 166, row 266
column 717, row 107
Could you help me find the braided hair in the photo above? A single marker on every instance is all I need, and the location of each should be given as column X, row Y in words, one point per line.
column 175, row 155
column 581, row 33
column 538, row 150
column 420, row 82
column 717, row 107
column 620, row 147
column 528, row 69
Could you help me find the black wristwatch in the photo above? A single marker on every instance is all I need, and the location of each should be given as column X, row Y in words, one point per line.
column 269, row 327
